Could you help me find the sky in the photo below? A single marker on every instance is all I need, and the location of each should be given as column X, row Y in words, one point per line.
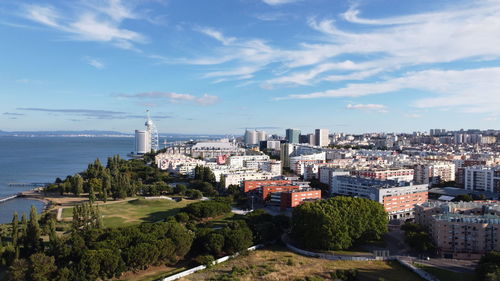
column 220, row 66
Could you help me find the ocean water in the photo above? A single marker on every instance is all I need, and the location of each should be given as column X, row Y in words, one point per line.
column 42, row 159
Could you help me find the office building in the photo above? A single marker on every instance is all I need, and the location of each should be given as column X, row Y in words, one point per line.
column 321, row 137
column 292, row 135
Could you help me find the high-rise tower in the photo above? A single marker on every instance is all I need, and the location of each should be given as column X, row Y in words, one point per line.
column 153, row 133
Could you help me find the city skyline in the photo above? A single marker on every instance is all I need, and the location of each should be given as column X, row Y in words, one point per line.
column 357, row 66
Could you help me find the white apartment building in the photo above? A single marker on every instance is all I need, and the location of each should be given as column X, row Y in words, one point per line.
column 482, row 178
column 297, row 162
column 249, row 161
column 434, row 173
column 237, row 178
column 178, row 163
column 326, row 174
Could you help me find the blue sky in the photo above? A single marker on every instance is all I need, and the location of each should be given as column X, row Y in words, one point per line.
column 220, row 66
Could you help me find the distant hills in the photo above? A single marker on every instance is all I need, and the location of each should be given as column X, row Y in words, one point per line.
column 94, row 133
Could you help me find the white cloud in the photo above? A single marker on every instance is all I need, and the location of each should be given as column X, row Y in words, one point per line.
column 413, row 115
column 98, row 22
column 94, row 62
column 173, row 97
column 470, row 90
column 216, row 35
column 278, row 2
column 368, row 107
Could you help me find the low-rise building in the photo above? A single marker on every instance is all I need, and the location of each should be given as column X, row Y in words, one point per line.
column 293, row 198
column 249, row 185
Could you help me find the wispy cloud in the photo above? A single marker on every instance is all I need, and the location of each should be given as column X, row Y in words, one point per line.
column 278, row 2
column 470, row 90
column 368, row 107
column 91, row 113
column 413, row 115
column 205, row 99
column 99, row 22
column 216, row 35
column 94, row 62
column 12, row 114
column 261, row 128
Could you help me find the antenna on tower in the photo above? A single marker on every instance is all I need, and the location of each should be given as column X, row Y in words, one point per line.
column 153, row 132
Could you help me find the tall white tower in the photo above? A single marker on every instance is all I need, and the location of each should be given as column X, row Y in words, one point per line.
column 153, row 133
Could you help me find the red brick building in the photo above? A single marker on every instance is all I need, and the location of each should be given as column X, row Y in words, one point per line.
column 251, row 185
column 267, row 190
column 295, row 197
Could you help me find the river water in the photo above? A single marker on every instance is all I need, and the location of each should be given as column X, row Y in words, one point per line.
column 42, row 159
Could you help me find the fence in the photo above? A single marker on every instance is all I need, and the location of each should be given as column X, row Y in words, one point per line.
column 201, row 267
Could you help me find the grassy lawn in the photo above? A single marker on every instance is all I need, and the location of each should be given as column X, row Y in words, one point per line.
column 447, row 275
column 277, row 263
column 135, row 211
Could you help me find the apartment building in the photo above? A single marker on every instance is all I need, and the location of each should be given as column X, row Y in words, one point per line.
column 482, row 178
column 398, row 198
column 434, row 173
column 463, row 230
column 397, row 174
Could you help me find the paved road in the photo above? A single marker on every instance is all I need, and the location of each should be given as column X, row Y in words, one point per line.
column 463, row 266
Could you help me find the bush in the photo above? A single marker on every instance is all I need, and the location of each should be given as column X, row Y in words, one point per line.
column 182, row 217
column 345, row 275
column 207, row 209
column 206, row 260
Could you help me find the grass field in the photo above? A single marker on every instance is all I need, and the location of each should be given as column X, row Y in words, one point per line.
column 280, row 264
column 135, row 211
column 446, row 275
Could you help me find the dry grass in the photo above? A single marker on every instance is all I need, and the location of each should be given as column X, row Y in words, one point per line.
column 279, row 264
column 149, row 274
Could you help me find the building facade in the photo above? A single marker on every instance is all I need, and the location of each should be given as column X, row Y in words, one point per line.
column 321, row 137
column 463, row 230
column 398, row 198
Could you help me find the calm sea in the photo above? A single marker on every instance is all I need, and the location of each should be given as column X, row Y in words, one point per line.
column 42, row 159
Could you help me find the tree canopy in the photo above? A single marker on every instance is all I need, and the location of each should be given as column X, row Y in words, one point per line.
column 338, row 223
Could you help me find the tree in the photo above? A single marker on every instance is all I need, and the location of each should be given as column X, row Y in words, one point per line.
column 42, row 267
column 105, row 195
column 18, row 271
column 15, row 229
column 237, row 237
column 180, row 189
column 86, row 216
column 338, row 223
column 214, row 243
column 32, row 242
column 92, row 197
column 196, row 194
column 77, row 184
column 222, row 182
column 488, row 268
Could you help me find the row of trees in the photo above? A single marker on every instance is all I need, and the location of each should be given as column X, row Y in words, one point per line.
column 338, row 223
column 91, row 253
